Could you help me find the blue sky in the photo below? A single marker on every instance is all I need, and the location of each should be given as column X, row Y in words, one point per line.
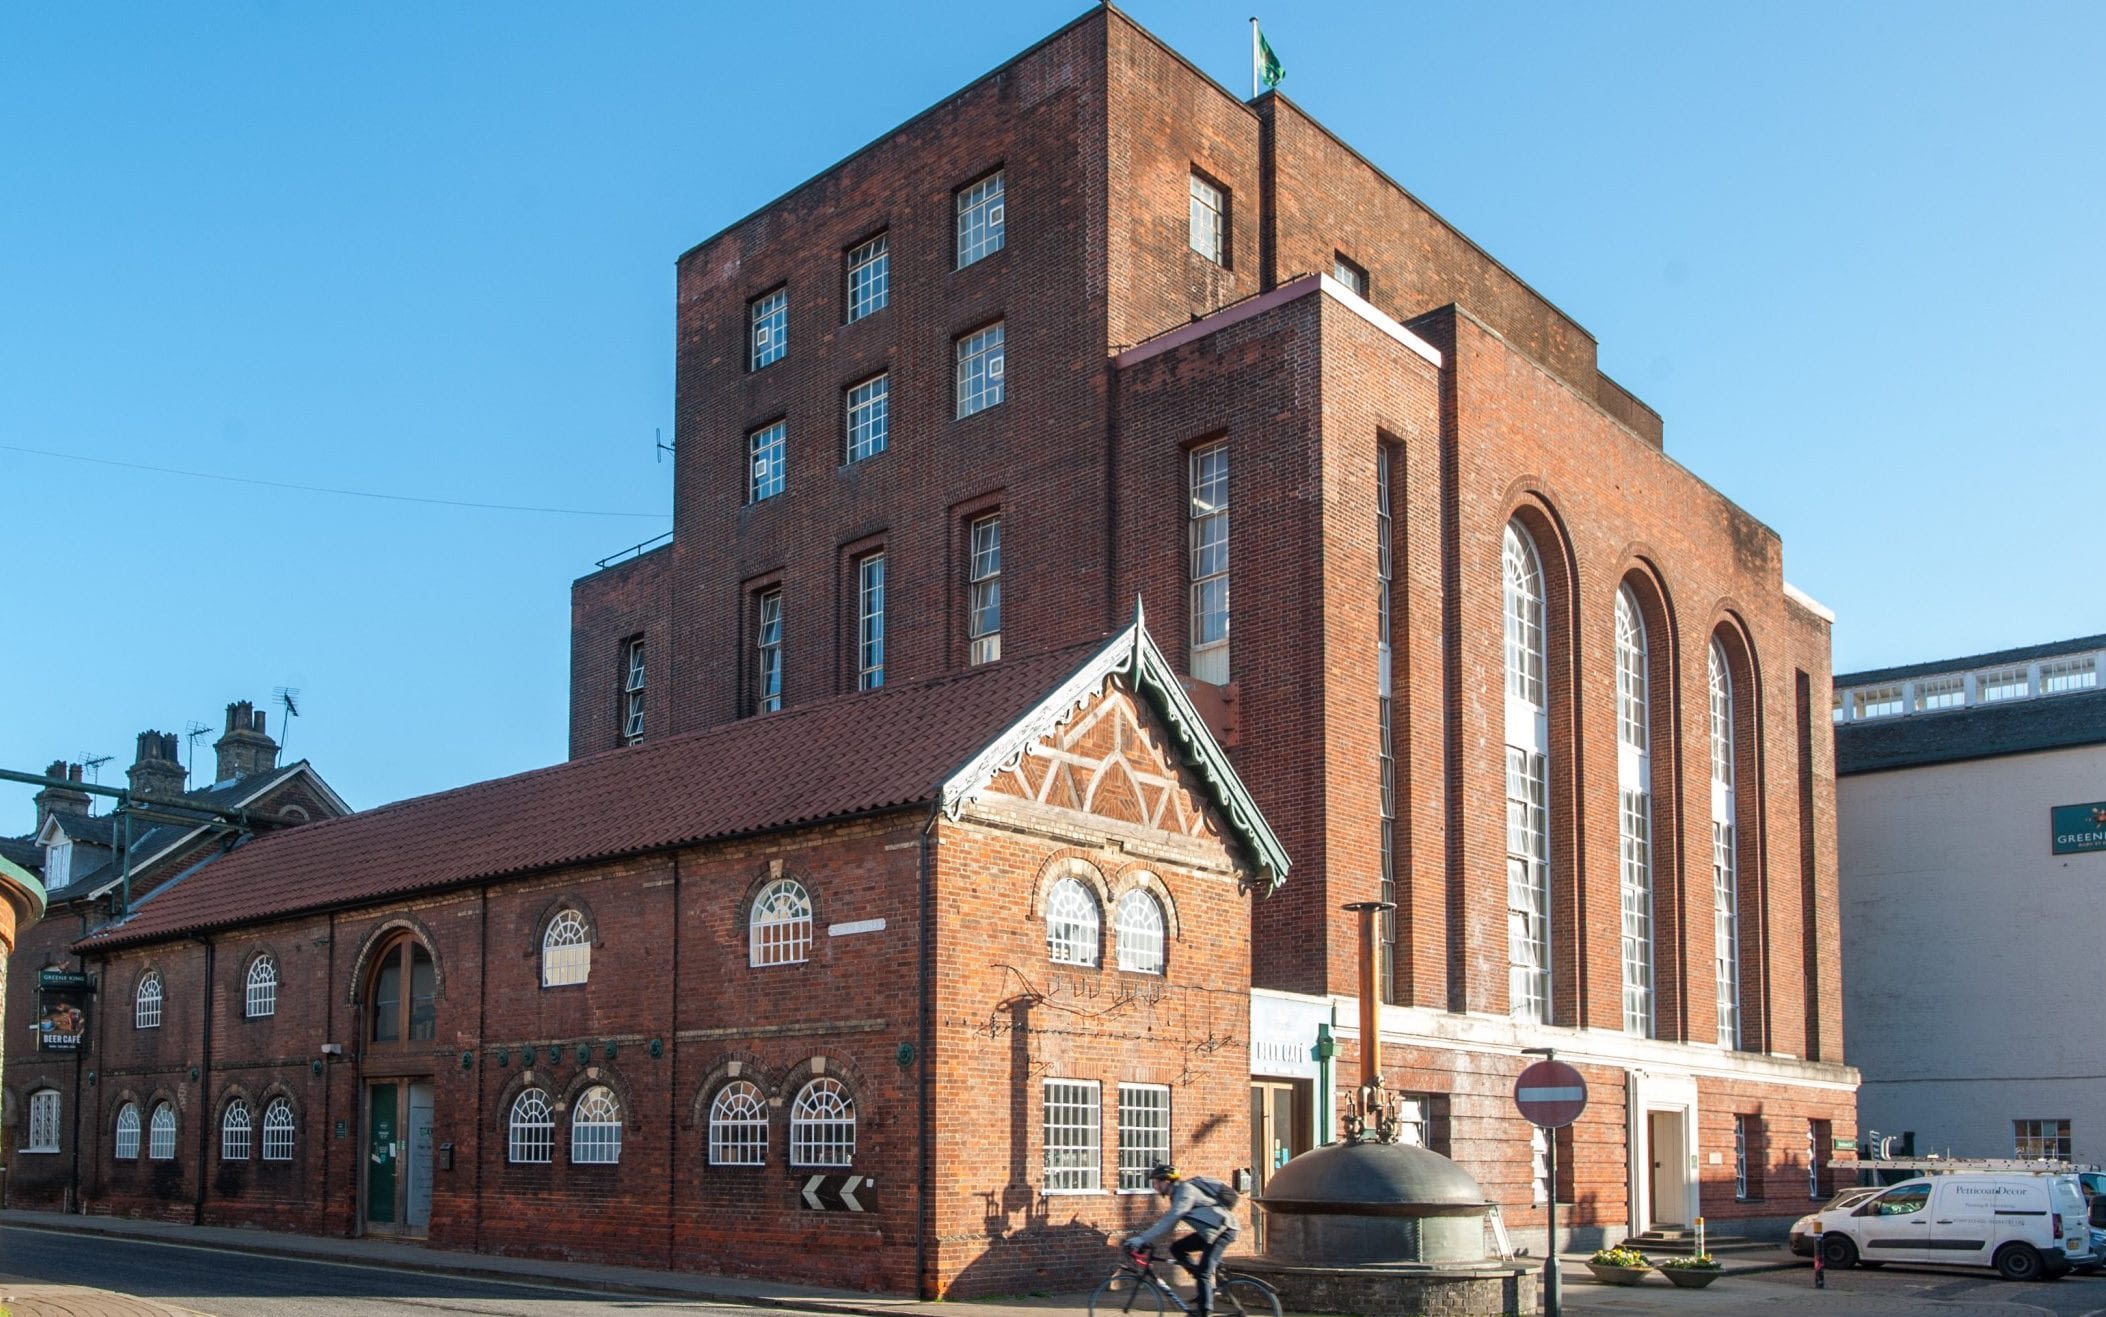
column 1852, row 253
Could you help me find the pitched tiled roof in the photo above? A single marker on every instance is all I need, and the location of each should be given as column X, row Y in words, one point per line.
column 832, row 759
column 1996, row 659
column 2008, row 727
column 23, row 851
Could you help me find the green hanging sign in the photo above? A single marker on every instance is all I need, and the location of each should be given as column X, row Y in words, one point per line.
column 2079, row 828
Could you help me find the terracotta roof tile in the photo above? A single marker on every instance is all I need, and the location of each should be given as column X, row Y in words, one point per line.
column 835, row 758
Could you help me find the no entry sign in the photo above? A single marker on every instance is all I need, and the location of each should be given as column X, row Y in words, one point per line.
column 1550, row 1094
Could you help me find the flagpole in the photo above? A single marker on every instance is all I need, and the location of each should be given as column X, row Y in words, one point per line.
column 1254, row 61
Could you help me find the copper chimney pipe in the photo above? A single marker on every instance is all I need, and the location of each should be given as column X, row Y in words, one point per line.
column 1370, row 993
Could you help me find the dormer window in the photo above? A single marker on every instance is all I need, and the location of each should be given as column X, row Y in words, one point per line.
column 58, row 864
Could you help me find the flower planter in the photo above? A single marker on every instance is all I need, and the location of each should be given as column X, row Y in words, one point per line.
column 1609, row 1275
column 1691, row 1278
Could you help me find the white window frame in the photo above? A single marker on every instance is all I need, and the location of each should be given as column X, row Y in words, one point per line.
column 868, row 418
column 1527, row 764
column 1992, row 686
column 768, row 650
column 566, row 950
column 146, row 1003
column 1349, row 274
column 530, row 1129
column 1937, row 693
column 1143, row 932
column 1208, row 219
column 983, row 621
column 236, row 1128
column 1074, row 924
column 779, row 926
column 1072, row 1126
column 768, row 328
column 870, row 621
column 738, row 1125
column 983, row 219
column 823, row 1125
column 1207, row 532
column 1725, row 853
column 767, row 473
column 983, row 369
column 1740, row 1157
column 869, row 277
column 279, row 1128
column 1635, row 813
column 42, row 1124
column 161, row 1133
column 127, row 1143
column 260, row 991
column 596, row 1128
column 2064, row 675
column 1884, row 701
column 1144, row 1134
column 1385, row 726
column 633, row 690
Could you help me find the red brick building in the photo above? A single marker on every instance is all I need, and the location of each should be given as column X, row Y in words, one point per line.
column 1477, row 643
column 911, row 987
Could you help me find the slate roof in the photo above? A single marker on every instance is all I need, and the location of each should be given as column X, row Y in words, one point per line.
column 1997, row 659
column 2007, row 727
column 23, row 851
column 837, row 758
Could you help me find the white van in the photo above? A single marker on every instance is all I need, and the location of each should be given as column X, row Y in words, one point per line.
column 2029, row 1227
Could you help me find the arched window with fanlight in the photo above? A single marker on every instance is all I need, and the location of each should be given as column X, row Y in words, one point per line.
column 779, row 928
column 1073, row 923
column 1139, row 922
column 532, row 1128
column 128, row 1132
column 278, row 1127
column 1725, row 851
column 234, row 1128
column 566, row 950
column 403, row 1002
column 823, row 1125
column 261, row 995
column 1527, row 754
column 596, row 1128
column 738, row 1126
column 146, row 1002
column 161, row 1133
column 1634, row 798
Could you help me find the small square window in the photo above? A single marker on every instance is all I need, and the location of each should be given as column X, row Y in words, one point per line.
column 1349, row 274
column 982, row 365
column 981, row 219
column 770, row 315
column 764, row 462
column 1208, row 233
column 869, row 277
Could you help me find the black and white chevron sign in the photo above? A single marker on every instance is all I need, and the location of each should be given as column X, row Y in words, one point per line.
column 840, row 1193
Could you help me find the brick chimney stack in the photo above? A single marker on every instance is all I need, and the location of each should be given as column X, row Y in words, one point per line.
column 58, row 800
column 159, row 770
column 244, row 749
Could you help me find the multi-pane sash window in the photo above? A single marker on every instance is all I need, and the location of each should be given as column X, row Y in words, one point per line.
column 1139, row 924
column 767, row 671
column 1991, row 686
column 1385, row 755
column 566, row 951
column 1941, row 693
column 633, row 691
column 981, row 219
column 1144, row 1134
column 1209, row 220
column 869, row 417
column 2077, row 674
column 146, row 1005
column 1349, row 274
column 261, row 996
column 1740, row 1156
column 983, row 623
column 1725, row 861
column 128, row 1132
column 823, row 1125
column 2042, row 1138
column 764, row 461
column 234, row 1132
column 1634, row 814
column 779, row 930
column 596, row 1128
column 43, row 1128
column 770, row 315
column 738, row 1126
column 1527, row 756
column 1885, row 701
column 869, row 277
column 532, row 1128
column 1208, row 530
column 1072, row 924
column 160, row 1134
column 982, row 365
column 278, row 1131
column 870, row 622
column 1073, row 1135
column 1524, row 619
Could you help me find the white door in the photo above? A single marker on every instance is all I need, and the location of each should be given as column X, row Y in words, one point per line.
column 1667, row 1188
column 418, row 1164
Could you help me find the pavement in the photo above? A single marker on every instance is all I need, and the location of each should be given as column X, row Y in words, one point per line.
column 40, row 1299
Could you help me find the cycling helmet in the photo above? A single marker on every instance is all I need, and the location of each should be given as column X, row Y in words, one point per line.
column 1162, row 1171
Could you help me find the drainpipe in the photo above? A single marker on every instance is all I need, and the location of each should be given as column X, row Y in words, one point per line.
column 204, row 1090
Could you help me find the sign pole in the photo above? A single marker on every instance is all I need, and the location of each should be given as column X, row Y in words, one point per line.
column 1552, row 1298
column 1551, row 1096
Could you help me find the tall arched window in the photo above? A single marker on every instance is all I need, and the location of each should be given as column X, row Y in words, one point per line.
column 1725, row 863
column 1527, row 781
column 779, row 931
column 532, row 1128
column 128, row 1132
column 160, row 1134
column 823, row 1125
column 596, row 1128
column 566, row 950
column 234, row 1132
column 738, row 1126
column 261, row 997
column 146, row 1003
column 404, row 995
column 1634, row 794
column 1073, row 923
column 1140, row 927
column 278, row 1130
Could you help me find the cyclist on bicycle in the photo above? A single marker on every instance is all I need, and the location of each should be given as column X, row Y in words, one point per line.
column 1194, row 1203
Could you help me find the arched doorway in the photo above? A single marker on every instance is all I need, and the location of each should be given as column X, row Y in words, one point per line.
column 398, row 1024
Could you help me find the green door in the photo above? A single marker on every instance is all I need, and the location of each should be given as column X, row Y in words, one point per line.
column 380, row 1154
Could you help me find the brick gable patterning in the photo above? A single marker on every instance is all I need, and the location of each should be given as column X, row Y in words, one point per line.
column 1105, row 762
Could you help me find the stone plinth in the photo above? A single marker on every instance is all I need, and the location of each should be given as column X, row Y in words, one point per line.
column 1402, row 1289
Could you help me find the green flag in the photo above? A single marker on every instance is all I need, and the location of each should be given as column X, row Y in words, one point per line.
column 1270, row 71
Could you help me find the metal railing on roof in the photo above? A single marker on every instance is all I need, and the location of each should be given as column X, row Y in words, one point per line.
column 634, row 550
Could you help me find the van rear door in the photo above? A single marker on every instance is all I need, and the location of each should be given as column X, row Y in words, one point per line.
column 2068, row 1199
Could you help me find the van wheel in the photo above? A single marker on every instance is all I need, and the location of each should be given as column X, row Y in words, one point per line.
column 1837, row 1251
column 2019, row 1262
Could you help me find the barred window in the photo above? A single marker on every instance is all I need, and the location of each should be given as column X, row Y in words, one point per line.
column 982, row 368
column 823, row 1125
column 234, row 1132
column 566, row 950
column 278, row 1130
column 262, row 995
column 764, row 461
column 869, row 418
column 738, row 1126
column 1073, row 1140
column 128, row 1132
column 1208, row 532
column 779, row 930
column 1208, row 230
column 1140, row 927
column 982, row 219
column 533, row 1128
column 869, row 277
column 160, row 1134
column 633, row 691
column 596, row 1128
column 770, row 314
column 146, row 1005
column 43, row 1121
column 1144, row 1134
column 1072, row 923
column 983, row 627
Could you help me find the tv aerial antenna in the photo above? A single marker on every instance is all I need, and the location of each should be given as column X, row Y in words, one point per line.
column 94, row 763
column 658, row 440
column 289, row 702
column 192, row 731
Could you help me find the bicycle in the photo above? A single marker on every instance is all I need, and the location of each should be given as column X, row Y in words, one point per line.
column 1135, row 1287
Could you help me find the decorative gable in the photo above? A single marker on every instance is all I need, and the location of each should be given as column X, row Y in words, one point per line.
column 1106, row 761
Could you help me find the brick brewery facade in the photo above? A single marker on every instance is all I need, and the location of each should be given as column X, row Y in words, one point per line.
column 1095, row 329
